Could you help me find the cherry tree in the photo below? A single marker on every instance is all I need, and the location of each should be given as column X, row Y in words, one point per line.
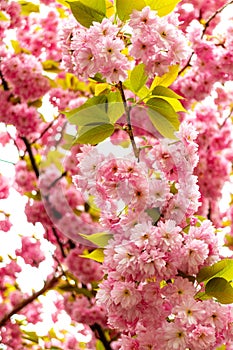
column 120, row 114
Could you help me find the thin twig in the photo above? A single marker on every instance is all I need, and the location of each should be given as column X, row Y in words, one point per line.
column 225, row 120
column 45, row 130
column 48, row 285
column 31, row 156
column 128, row 128
column 59, row 242
column 206, row 25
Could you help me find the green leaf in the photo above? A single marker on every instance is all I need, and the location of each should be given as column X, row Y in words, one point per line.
column 53, row 157
column 138, row 77
column 94, row 134
column 220, row 289
column 163, row 7
column 97, row 255
column 99, row 345
column 163, row 117
column 160, row 90
column 51, row 66
column 32, row 336
column 167, row 79
column 100, row 239
column 223, row 268
column 3, row 17
column 115, row 106
column 94, row 101
column 154, row 213
column 28, row 7
column 88, row 11
column 126, row 7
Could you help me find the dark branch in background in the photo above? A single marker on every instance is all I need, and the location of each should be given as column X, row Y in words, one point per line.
column 48, row 285
column 100, row 335
column 4, row 82
column 226, row 119
column 206, row 25
column 31, row 156
column 128, row 128
column 45, row 130
column 59, row 242
column 58, row 179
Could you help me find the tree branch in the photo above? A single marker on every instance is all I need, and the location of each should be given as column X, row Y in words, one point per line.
column 100, row 335
column 48, row 285
column 128, row 128
column 206, row 25
column 31, row 156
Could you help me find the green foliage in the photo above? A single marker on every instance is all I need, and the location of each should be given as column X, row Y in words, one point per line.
column 94, row 133
column 28, row 7
column 3, row 17
column 167, row 79
column 163, row 117
column 88, row 11
column 99, row 345
column 160, row 90
column 97, row 255
column 126, row 7
column 93, row 121
column 154, row 213
column 51, row 66
column 223, row 268
column 100, row 239
column 138, row 77
column 218, row 281
column 115, row 106
column 170, row 96
column 163, row 7
column 220, row 289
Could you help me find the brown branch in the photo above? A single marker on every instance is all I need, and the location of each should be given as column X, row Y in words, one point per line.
column 45, row 130
column 48, row 285
column 59, row 242
column 100, row 335
column 206, row 25
column 128, row 128
column 4, row 82
column 31, row 156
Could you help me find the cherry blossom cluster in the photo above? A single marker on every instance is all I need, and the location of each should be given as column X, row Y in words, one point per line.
column 24, row 73
column 100, row 48
column 145, row 260
column 39, row 34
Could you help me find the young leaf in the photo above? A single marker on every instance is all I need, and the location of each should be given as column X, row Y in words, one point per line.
column 115, row 106
column 100, row 239
column 160, row 90
column 154, row 213
column 164, row 108
column 163, row 117
column 3, row 17
column 28, row 7
column 101, row 88
column 86, row 12
column 97, row 255
column 162, row 7
column 223, row 268
column 126, row 7
column 167, row 79
column 220, row 289
column 138, row 77
column 94, row 134
column 98, row 101
column 162, row 124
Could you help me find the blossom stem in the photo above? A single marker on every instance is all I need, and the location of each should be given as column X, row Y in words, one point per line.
column 128, row 127
column 48, row 285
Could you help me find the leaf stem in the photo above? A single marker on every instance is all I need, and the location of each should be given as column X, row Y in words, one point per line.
column 128, row 127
